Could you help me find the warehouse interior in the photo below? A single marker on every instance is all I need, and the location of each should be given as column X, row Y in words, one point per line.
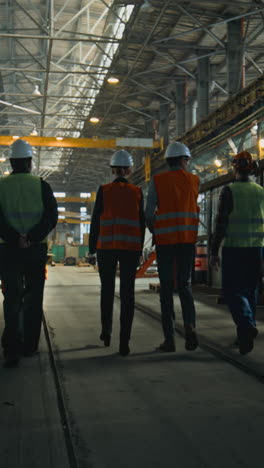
column 79, row 79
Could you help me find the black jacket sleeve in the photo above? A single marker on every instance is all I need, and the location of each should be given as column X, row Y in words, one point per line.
column 225, row 206
column 49, row 216
column 7, row 232
column 95, row 221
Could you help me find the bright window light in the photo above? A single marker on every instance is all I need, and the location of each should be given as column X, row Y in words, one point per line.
column 61, row 217
column 59, row 194
column 61, row 208
column 83, row 209
column 85, row 194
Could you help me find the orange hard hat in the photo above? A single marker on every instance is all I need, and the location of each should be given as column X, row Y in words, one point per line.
column 243, row 161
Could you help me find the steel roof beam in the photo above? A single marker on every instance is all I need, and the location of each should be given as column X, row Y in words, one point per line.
column 31, row 17
column 92, row 38
column 211, row 25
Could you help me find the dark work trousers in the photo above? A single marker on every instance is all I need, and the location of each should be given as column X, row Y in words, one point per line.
column 181, row 257
column 23, row 277
column 107, row 264
column 241, row 267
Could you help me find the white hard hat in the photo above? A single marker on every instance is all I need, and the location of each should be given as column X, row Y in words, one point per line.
column 20, row 149
column 176, row 150
column 121, row 158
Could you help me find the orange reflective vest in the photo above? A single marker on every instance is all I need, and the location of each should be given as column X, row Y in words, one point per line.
column 177, row 215
column 120, row 222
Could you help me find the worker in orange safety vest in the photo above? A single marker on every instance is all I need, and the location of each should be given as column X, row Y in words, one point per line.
column 172, row 215
column 117, row 235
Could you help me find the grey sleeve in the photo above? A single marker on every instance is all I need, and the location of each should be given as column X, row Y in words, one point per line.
column 151, row 205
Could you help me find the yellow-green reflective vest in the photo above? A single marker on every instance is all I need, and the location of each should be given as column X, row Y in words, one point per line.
column 245, row 226
column 21, row 201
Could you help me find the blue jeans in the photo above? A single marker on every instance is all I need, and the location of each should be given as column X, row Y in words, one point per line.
column 241, row 268
column 181, row 257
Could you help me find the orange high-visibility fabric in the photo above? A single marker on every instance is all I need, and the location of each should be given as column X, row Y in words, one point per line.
column 177, row 215
column 120, row 221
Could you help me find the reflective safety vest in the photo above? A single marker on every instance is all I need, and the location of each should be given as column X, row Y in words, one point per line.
column 21, row 201
column 245, row 224
column 177, row 215
column 120, row 222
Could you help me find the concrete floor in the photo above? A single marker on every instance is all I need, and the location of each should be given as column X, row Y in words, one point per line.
column 147, row 410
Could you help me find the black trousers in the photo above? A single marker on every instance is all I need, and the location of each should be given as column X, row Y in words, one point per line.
column 107, row 263
column 181, row 256
column 23, row 276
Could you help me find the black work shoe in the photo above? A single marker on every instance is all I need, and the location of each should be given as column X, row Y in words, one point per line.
column 191, row 341
column 166, row 347
column 246, row 340
column 124, row 349
column 106, row 339
column 11, row 361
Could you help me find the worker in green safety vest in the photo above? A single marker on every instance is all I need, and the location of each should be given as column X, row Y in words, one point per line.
column 28, row 212
column 239, row 222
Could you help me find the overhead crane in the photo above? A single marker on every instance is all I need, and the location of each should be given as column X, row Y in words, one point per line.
column 61, row 142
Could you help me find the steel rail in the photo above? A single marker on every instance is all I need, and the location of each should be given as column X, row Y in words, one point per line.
column 209, row 346
column 62, row 407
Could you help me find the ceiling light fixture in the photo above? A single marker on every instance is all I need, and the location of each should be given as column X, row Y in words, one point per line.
column 146, row 7
column 218, row 162
column 36, row 91
column 94, row 120
column 59, row 138
column 2, row 159
column 15, row 137
column 112, row 80
column 34, row 132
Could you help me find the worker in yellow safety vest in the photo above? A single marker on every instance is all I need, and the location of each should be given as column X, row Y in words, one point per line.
column 240, row 224
column 172, row 215
column 117, row 235
column 28, row 212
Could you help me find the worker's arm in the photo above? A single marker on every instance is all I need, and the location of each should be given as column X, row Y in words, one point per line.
column 225, row 206
column 142, row 220
column 49, row 216
column 7, row 232
column 95, row 221
column 152, row 201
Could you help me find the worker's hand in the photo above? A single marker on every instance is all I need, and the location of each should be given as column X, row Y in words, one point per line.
column 214, row 261
column 23, row 242
column 92, row 259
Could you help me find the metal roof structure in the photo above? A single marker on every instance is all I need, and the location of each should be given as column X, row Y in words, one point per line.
column 56, row 56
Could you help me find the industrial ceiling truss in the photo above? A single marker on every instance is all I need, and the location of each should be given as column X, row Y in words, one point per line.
column 176, row 62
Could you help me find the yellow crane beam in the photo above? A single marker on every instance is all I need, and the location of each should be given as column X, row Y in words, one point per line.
column 140, row 143
column 77, row 199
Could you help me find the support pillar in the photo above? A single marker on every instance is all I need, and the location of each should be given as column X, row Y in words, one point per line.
column 234, row 57
column 180, row 106
column 203, row 87
column 164, row 121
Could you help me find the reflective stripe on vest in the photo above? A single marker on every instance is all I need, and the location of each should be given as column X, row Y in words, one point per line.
column 177, row 217
column 119, row 222
column 246, row 221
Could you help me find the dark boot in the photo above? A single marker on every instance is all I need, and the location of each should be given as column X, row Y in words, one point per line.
column 191, row 341
column 106, row 338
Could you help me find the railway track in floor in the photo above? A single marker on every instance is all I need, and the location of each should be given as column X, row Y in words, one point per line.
column 210, row 346
column 62, row 407
column 204, row 344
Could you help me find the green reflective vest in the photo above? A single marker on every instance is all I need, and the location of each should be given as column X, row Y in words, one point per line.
column 245, row 226
column 21, row 201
